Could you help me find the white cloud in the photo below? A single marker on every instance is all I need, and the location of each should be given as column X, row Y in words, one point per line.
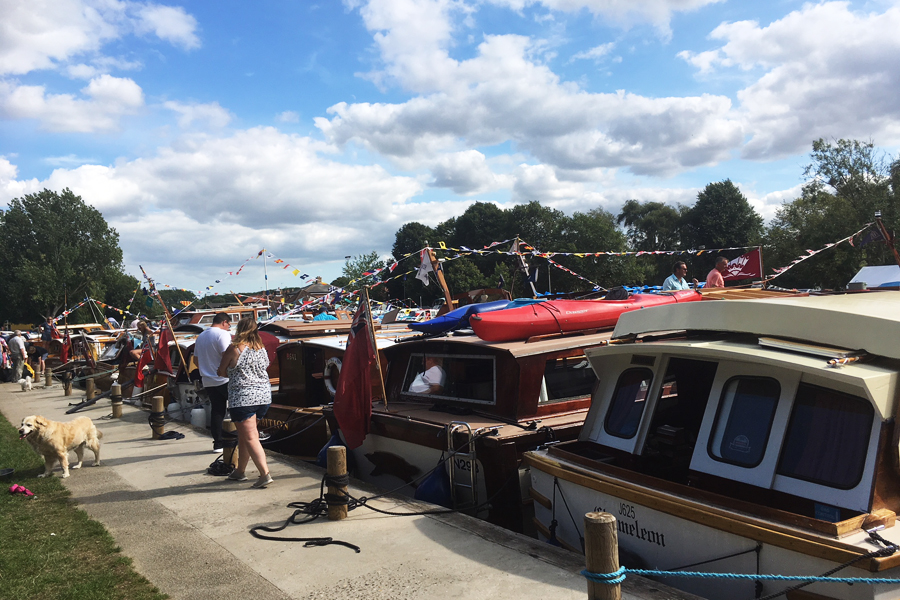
column 624, row 13
column 465, row 173
column 288, row 116
column 104, row 101
column 169, row 23
column 500, row 95
column 45, row 34
column 212, row 113
column 827, row 71
column 595, row 53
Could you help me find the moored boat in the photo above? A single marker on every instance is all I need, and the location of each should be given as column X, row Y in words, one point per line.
column 749, row 437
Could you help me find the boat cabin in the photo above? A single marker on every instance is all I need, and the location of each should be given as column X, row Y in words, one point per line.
column 789, row 404
column 204, row 318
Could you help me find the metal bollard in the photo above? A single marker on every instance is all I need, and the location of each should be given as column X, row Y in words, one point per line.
column 601, row 554
column 116, row 400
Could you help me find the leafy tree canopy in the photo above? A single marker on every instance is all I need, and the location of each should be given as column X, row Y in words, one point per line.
column 53, row 243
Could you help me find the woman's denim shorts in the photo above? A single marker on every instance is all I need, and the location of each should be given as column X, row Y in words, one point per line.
column 242, row 413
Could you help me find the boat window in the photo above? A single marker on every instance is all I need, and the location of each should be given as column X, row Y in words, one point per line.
column 742, row 426
column 235, row 317
column 184, row 320
column 206, row 320
column 628, row 402
column 567, row 379
column 827, row 437
column 451, row 377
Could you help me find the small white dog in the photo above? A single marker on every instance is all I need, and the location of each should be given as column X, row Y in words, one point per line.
column 26, row 383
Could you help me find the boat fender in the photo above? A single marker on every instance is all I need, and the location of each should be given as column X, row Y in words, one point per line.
column 436, row 487
column 322, row 456
column 332, row 365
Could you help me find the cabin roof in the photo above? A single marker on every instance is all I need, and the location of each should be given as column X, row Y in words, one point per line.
column 867, row 321
column 521, row 348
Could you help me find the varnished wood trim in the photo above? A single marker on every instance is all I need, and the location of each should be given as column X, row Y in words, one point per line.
column 540, row 498
column 738, row 524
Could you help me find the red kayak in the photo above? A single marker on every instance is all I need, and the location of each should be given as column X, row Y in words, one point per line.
column 561, row 316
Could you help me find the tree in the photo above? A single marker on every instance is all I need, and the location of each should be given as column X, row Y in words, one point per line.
column 51, row 243
column 721, row 218
column 847, row 182
column 354, row 270
column 652, row 226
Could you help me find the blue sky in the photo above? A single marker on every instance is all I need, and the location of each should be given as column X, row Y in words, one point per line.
column 205, row 131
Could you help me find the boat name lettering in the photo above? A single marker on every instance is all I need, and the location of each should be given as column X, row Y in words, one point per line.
column 576, row 312
column 464, row 465
column 274, row 424
column 634, row 529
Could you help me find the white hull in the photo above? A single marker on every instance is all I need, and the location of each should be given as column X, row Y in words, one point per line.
column 661, row 540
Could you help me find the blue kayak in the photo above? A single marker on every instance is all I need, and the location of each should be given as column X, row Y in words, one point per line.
column 459, row 317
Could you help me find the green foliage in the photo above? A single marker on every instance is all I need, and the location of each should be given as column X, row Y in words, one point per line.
column 849, row 181
column 80, row 559
column 51, row 243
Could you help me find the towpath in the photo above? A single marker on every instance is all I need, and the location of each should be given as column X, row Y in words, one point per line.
column 188, row 532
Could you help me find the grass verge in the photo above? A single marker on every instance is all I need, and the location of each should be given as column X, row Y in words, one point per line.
column 50, row 548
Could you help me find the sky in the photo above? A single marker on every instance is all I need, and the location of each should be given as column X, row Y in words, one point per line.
column 207, row 131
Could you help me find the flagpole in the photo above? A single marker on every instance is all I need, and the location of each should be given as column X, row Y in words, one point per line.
column 266, row 272
column 371, row 327
column 762, row 270
column 884, row 234
column 524, row 267
column 168, row 321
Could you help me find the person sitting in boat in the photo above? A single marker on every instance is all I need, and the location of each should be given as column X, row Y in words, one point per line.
column 676, row 280
column 430, row 381
column 323, row 315
column 147, row 340
column 716, row 278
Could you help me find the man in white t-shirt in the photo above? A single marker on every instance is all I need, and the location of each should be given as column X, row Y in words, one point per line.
column 208, row 350
column 432, row 380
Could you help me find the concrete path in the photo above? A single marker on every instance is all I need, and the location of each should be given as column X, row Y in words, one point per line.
column 188, row 532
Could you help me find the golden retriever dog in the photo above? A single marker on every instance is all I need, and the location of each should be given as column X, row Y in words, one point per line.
column 53, row 440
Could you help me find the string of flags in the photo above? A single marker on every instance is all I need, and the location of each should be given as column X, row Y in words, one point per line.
column 810, row 253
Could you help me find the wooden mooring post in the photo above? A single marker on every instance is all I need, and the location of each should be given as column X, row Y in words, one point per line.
column 67, row 383
column 89, row 388
column 116, row 400
column 601, row 554
column 229, row 452
column 337, row 467
column 48, row 378
column 158, row 423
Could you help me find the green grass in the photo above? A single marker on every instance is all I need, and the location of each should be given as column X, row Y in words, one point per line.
column 50, row 548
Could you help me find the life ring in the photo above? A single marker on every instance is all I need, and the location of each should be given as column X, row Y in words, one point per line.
column 333, row 364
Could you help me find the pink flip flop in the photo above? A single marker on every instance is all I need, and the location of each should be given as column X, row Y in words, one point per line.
column 16, row 489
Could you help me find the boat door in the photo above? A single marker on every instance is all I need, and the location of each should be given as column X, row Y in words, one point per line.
column 675, row 419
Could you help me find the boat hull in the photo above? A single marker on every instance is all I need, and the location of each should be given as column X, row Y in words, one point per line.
column 563, row 316
column 666, row 532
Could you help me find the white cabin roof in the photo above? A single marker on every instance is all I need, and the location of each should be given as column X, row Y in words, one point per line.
column 867, row 321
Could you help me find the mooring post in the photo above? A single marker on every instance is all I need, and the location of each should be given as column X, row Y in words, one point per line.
column 230, row 449
column 89, row 388
column 601, row 554
column 67, row 383
column 116, row 400
column 48, row 378
column 158, row 423
column 337, row 467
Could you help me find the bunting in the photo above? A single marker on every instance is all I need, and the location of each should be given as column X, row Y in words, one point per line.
column 810, row 253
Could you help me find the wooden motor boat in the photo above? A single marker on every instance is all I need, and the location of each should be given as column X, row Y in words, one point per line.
column 760, row 439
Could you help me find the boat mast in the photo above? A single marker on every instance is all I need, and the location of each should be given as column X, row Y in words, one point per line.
column 371, row 327
column 168, row 319
column 523, row 266
column 887, row 237
column 439, row 273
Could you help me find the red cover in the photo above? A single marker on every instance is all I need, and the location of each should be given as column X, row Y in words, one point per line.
column 353, row 397
column 560, row 316
column 146, row 359
column 163, row 360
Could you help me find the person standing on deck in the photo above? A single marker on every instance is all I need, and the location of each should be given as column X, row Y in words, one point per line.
column 676, row 280
column 209, row 348
column 17, row 353
column 716, row 278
